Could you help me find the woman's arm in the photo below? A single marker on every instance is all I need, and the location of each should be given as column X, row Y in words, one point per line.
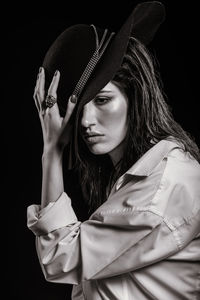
column 52, row 177
column 56, row 135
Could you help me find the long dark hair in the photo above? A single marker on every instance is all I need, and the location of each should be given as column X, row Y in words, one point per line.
column 150, row 120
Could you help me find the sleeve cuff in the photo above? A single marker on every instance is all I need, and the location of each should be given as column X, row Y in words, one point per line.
column 54, row 216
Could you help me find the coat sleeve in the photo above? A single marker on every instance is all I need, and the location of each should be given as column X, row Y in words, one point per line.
column 115, row 240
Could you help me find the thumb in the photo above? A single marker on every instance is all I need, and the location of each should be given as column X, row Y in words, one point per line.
column 70, row 107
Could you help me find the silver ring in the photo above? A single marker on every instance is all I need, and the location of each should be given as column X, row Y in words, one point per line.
column 50, row 101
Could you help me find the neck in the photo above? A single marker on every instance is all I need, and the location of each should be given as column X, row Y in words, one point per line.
column 117, row 153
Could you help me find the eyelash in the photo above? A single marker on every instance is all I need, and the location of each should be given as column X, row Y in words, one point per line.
column 103, row 100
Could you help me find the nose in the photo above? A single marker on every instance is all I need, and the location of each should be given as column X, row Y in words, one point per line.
column 89, row 115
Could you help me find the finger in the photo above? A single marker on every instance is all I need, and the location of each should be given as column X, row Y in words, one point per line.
column 39, row 89
column 54, row 84
column 52, row 111
column 35, row 94
column 70, row 107
column 37, row 104
column 41, row 86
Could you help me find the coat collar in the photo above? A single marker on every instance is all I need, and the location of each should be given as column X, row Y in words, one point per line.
column 146, row 164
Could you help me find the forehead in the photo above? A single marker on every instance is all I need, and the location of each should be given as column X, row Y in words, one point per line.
column 109, row 87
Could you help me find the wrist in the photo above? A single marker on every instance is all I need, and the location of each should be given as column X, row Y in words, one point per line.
column 50, row 152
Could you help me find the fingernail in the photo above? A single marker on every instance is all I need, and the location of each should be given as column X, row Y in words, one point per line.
column 73, row 99
column 56, row 72
column 40, row 69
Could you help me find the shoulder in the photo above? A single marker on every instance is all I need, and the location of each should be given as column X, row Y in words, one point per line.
column 178, row 196
column 182, row 169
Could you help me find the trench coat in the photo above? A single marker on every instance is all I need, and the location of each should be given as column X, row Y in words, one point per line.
column 142, row 243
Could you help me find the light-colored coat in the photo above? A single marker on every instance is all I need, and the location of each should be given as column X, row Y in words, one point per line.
column 142, row 243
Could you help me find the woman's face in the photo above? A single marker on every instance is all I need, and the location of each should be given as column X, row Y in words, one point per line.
column 104, row 121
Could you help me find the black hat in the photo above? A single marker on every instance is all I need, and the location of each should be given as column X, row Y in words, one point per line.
column 88, row 57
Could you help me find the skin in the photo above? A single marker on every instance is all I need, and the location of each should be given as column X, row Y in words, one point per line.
column 106, row 114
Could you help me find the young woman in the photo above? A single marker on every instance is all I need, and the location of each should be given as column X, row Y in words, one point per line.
column 137, row 168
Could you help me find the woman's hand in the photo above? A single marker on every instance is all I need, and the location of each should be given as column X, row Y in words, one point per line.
column 55, row 129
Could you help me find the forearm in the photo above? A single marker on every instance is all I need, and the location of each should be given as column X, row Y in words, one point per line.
column 52, row 177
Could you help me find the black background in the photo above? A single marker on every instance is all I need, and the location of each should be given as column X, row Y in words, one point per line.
column 28, row 30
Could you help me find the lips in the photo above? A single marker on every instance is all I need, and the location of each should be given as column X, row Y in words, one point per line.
column 92, row 133
column 92, row 137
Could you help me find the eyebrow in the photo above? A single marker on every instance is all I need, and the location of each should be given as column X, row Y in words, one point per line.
column 104, row 91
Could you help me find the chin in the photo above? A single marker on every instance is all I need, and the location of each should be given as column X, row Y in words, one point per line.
column 99, row 149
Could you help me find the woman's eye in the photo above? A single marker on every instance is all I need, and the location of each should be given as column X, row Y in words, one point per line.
column 101, row 100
